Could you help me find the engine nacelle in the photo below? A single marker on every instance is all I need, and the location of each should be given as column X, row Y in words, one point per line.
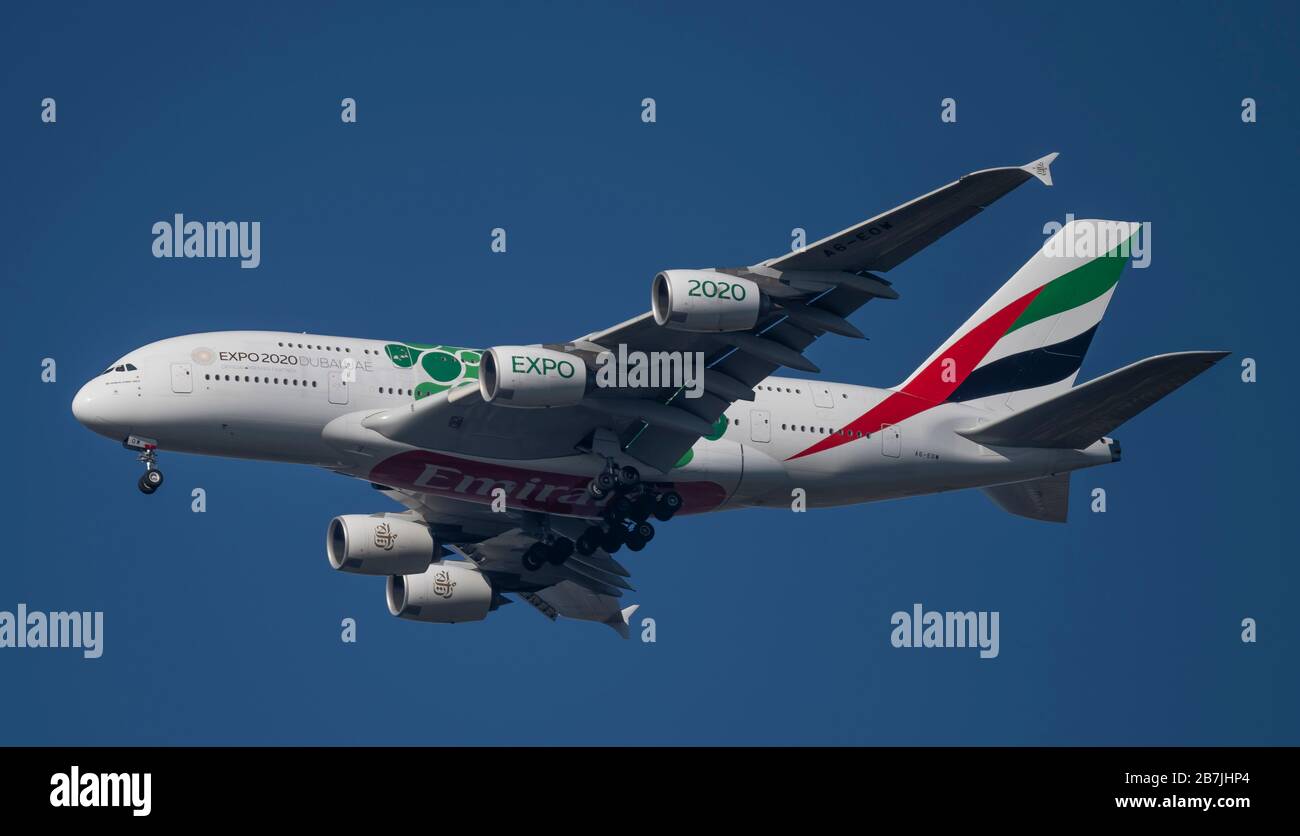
column 447, row 592
column 531, row 377
column 379, row 545
column 704, row 301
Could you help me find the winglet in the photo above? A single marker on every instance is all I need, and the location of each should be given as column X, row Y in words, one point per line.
column 1042, row 167
column 620, row 621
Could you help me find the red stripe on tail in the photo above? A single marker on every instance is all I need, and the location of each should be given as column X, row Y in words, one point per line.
column 929, row 387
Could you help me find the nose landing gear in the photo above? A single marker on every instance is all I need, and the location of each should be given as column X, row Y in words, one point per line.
column 152, row 478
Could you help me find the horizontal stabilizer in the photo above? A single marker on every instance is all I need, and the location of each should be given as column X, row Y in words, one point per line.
column 1082, row 415
column 1046, row 499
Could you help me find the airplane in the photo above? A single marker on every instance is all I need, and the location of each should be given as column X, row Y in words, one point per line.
column 521, row 476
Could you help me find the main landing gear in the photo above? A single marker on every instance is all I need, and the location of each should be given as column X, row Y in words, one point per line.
column 539, row 553
column 631, row 503
column 152, row 478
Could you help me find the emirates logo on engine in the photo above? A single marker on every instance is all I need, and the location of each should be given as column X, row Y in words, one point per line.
column 443, row 584
column 384, row 537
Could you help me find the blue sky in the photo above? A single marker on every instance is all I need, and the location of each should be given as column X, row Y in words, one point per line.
column 223, row 627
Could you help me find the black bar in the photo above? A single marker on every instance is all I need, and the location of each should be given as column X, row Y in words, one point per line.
column 1006, row 784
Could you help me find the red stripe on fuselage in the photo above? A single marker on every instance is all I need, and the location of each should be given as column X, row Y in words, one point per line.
column 929, row 388
column 470, row 480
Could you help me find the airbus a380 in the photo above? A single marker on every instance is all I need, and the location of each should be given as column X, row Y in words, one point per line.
column 522, row 475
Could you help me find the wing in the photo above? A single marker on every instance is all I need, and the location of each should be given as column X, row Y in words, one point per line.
column 584, row 587
column 813, row 292
column 887, row 240
column 816, row 289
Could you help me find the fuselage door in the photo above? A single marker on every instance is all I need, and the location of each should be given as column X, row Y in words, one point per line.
column 891, row 441
column 338, row 388
column 182, row 378
column 760, row 425
column 822, row 396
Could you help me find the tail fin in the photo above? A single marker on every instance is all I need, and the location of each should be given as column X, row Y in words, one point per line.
column 1026, row 343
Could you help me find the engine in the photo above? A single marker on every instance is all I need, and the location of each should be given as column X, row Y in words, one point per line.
column 705, row 301
column 447, row 592
column 531, row 377
column 379, row 545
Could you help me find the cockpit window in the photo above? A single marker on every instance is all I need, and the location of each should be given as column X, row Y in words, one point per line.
column 130, row 368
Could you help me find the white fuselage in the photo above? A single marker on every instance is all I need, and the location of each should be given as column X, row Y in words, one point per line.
column 300, row 398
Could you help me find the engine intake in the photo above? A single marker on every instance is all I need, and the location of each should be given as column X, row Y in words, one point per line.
column 447, row 592
column 531, row 377
column 379, row 545
column 705, row 301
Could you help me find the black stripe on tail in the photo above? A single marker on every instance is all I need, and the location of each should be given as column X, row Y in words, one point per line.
column 1026, row 370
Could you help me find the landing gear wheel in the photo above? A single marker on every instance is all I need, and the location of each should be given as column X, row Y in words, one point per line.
column 147, row 450
column 612, row 540
column 606, row 480
column 589, row 541
column 628, row 476
column 668, row 505
column 596, row 491
column 620, row 507
column 642, row 507
column 645, row 531
column 560, row 551
column 635, row 542
column 535, row 556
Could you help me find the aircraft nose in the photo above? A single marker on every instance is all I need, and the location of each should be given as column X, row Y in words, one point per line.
column 100, row 409
column 83, row 408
